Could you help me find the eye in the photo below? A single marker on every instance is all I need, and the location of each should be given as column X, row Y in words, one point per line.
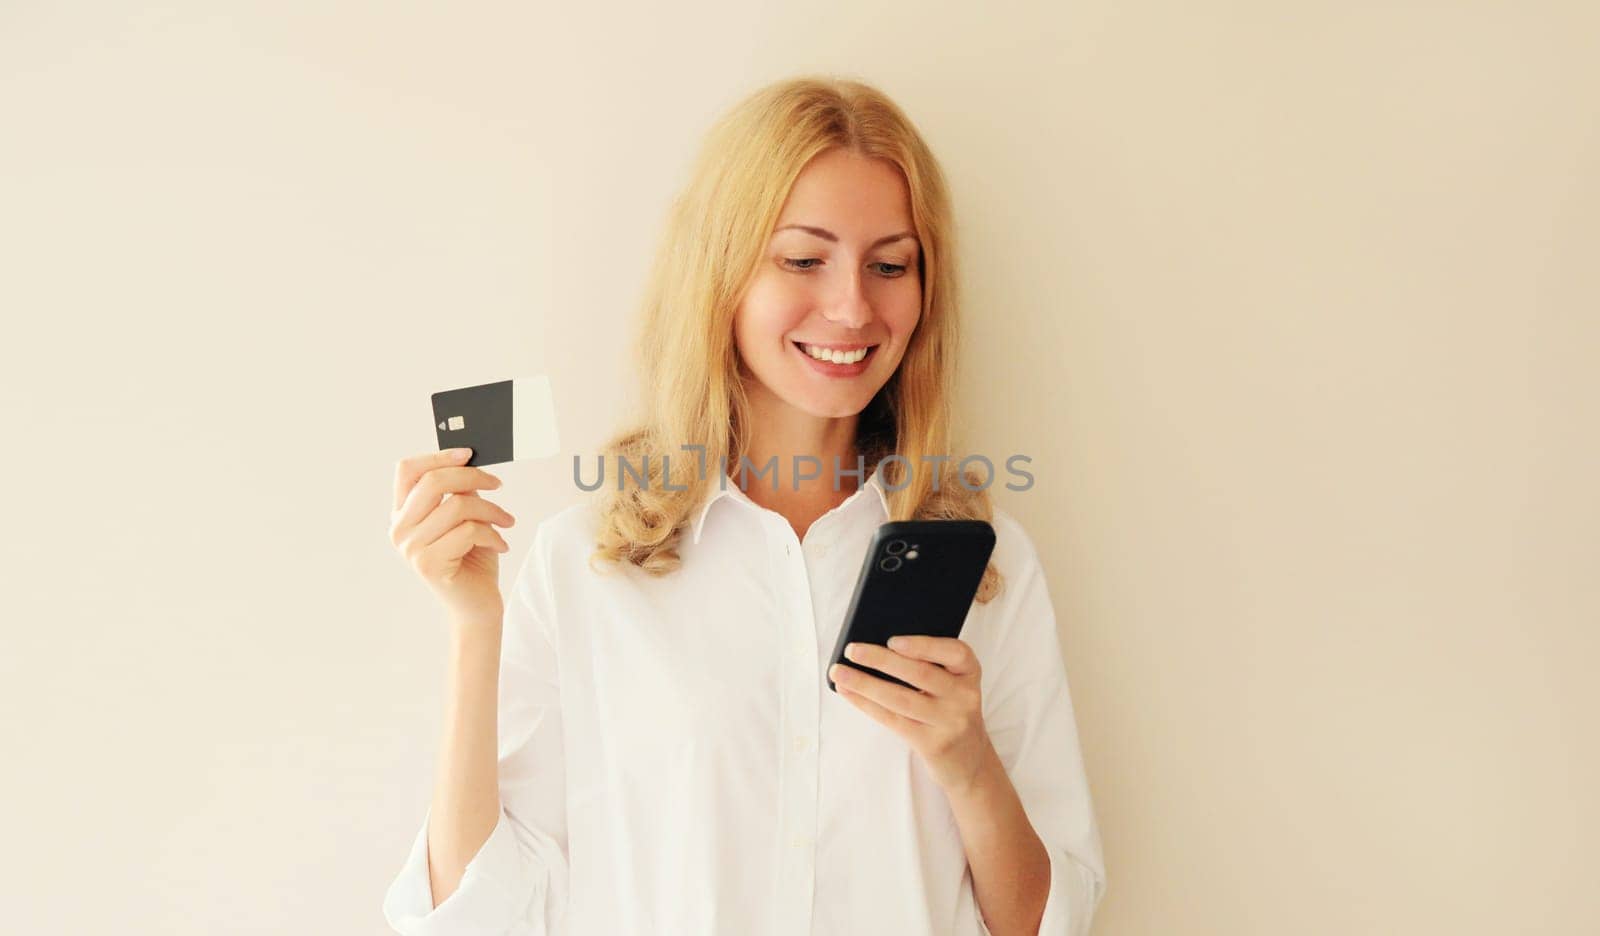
column 888, row 270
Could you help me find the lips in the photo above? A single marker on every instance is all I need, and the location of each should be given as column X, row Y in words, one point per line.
column 842, row 349
column 830, row 369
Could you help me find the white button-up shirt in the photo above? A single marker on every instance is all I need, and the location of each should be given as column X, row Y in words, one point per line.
column 672, row 761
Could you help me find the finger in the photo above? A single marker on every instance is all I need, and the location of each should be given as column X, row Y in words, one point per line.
column 898, row 699
column 926, row 676
column 952, row 653
column 408, row 470
column 448, row 550
column 899, row 724
column 468, row 506
column 430, row 490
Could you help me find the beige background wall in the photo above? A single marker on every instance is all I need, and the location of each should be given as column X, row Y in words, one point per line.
column 1294, row 305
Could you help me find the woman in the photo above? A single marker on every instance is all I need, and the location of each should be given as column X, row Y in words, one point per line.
column 670, row 758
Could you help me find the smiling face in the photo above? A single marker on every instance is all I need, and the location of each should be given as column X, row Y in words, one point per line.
column 837, row 278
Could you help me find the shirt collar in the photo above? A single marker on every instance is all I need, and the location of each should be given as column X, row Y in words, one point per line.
column 733, row 490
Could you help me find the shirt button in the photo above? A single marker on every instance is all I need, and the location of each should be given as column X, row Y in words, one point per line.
column 801, row 841
column 801, row 742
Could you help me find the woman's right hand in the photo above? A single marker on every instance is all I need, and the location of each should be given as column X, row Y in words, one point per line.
column 451, row 541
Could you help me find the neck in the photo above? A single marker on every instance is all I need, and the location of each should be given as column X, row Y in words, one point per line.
column 778, row 434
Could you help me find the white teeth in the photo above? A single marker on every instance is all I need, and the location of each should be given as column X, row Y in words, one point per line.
column 837, row 357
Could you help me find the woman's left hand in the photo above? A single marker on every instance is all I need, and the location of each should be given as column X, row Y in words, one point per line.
column 944, row 721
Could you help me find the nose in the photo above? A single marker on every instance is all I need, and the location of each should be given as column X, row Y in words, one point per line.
column 850, row 307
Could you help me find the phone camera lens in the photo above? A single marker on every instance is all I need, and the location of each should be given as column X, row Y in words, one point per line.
column 895, row 547
column 889, row 563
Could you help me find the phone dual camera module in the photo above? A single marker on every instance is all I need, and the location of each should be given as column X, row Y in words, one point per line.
column 896, row 550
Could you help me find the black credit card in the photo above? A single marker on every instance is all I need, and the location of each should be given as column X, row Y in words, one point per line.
column 509, row 420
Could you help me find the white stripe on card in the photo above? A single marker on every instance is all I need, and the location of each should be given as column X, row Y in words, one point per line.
column 533, row 419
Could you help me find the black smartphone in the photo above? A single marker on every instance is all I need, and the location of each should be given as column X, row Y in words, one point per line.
column 919, row 577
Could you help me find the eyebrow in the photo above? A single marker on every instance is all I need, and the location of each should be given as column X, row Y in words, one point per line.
column 828, row 235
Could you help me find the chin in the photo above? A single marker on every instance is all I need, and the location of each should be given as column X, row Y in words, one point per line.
column 824, row 409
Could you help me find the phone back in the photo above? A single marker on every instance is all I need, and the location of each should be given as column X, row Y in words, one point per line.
column 918, row 577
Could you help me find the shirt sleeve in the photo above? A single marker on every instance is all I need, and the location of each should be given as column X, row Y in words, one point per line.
column 517, row 882
column 1029, row 716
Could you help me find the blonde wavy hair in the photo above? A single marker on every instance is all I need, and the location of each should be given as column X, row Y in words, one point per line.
column 693, row 392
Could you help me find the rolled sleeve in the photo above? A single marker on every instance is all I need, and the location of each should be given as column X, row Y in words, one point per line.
column 515, row 885
column 492, row 896
column 1075, row 892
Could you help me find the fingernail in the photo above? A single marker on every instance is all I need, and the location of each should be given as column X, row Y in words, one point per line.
column 895, row 643
column 833, row 672
column 850, row 651
column 460, row 453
